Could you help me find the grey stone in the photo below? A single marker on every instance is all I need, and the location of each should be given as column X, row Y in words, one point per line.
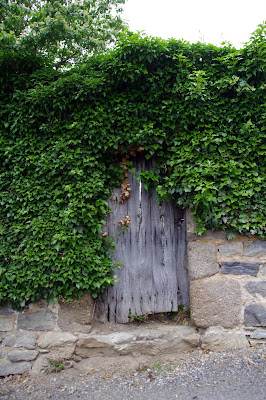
column 41, row 303
column 62, row 353
column 256, row 342
column 208, row 235
column 215, row 302
column 256, row 249
column 202, row 260
column 2, row 336
column 56, row 339
column 7, row 323
column 41, row 365
column 263, row 270
column 2, row 353
column 26, row 340
column 7, row 310
column 94, row 347
column 190, row 225
column 43, row 362
column 240, row 268
column 255, row 315
column 259, row 334
column 22, row 355
column 151, row 342
column 76, row 316
column 257, row 288
column 231, row 249
column 8, row 368
column 217, row 339
column 38, row 320
column 213, row 235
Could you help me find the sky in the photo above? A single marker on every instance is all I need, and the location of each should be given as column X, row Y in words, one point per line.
column 208, row 21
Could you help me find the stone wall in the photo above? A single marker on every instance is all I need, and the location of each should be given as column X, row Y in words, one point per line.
column 30, row 341
column 45, row 336
column 227, row 282
column 228, row 310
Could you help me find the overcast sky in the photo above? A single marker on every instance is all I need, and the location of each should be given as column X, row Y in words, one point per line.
column 210, row 21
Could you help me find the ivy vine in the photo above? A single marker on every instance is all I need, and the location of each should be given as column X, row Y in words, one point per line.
column 198, row 109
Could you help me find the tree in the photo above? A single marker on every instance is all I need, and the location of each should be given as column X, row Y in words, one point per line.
column 62, row 30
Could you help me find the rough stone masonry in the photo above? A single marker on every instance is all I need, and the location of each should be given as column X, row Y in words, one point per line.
column 227, row 282
column 228, row 310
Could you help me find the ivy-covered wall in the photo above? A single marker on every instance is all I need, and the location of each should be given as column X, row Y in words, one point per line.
column 199, row 109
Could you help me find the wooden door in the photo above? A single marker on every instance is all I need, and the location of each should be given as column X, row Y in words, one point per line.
column 152, row 250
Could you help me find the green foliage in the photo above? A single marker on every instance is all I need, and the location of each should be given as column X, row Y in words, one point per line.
column 137, row 318
column 199, row 109
column 62, row 30
column 56, row 366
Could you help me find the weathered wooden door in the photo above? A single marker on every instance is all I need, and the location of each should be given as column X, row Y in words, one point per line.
column 153, row 277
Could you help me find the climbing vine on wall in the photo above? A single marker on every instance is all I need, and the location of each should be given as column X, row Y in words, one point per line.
column 199, row 109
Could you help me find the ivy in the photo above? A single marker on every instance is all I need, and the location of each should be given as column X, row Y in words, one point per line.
column 198, row 109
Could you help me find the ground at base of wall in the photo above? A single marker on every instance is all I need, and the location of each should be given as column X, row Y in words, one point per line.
column 36, row 353
column 189, row 375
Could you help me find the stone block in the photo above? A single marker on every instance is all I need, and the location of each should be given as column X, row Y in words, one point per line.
column 215, row 302
column 41, row 365
column 263, row 269
column 202, row 260
column 7, row 323
column 255, row 315
column 2, row 353
column 240, row 268
column 213, row 235
column 26, row 340
column 56, row 339
column 259, row 334
column 7, row 310
column 8, row 368
column 218, row 339
column 257, row 288
column 39, row 320
column 143, row 341
column 2, row 336
column 95, row 347
column 62, row 353
column 256, row 342
column 43, row 362
column 22, row 355
column 256, row 249
column 208, row 235
column 40, row 304
column 76, row 316
column 231, row 249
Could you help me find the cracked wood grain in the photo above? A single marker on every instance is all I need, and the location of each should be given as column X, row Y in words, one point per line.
column 153, row 278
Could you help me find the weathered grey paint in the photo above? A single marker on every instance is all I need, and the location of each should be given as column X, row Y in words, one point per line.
column 153, row 250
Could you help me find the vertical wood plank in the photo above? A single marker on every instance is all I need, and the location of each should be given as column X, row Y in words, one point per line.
column 153, row 277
